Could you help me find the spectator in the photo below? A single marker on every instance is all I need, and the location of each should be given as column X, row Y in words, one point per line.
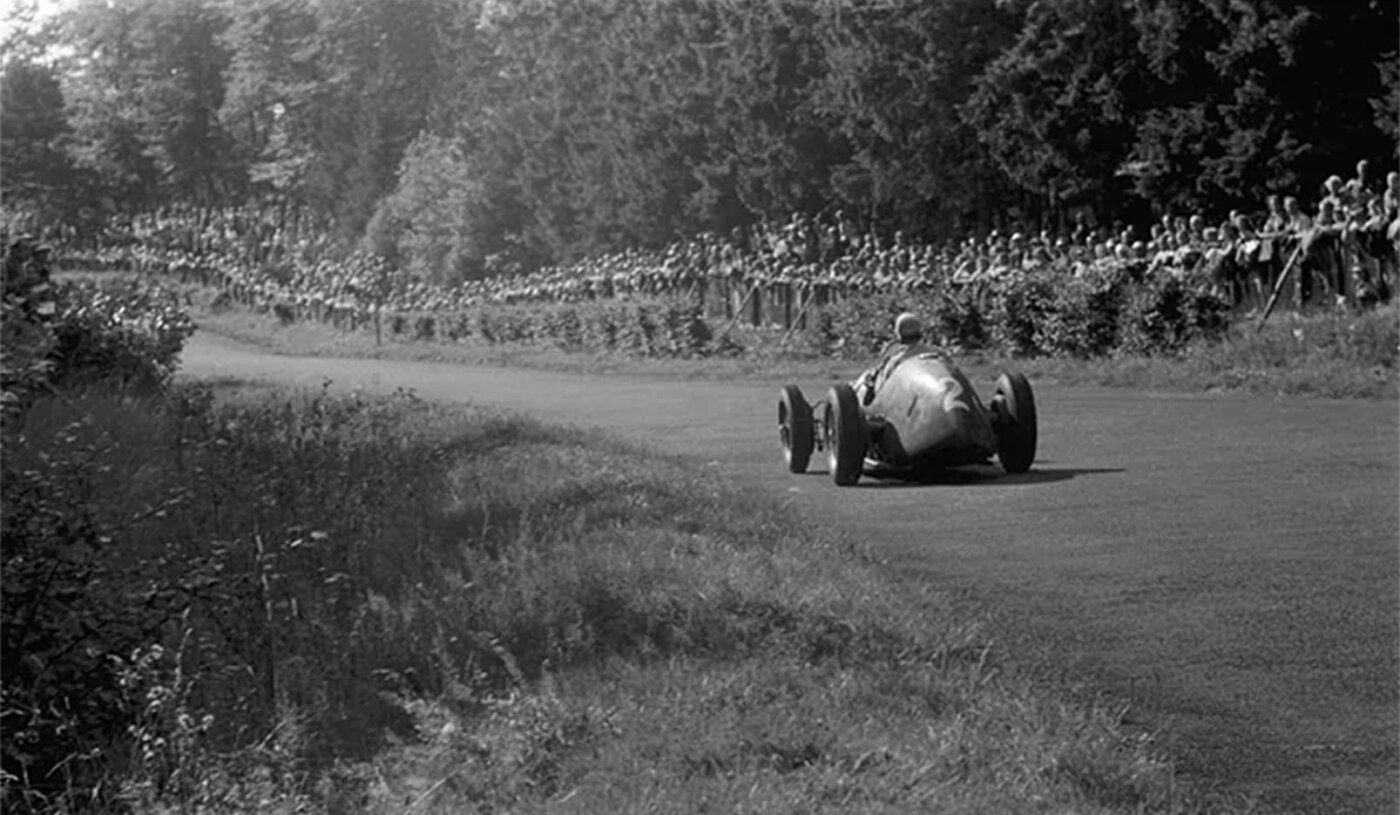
column 1334, row 193
column 1298, row 220
column 1359, row 187
column 1378, row 255
column 1276, row 221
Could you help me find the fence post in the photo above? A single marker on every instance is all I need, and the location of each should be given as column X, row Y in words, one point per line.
column 742, row 309
column 1278, row 287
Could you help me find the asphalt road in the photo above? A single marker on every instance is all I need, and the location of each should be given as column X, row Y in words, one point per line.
column 1230, row 563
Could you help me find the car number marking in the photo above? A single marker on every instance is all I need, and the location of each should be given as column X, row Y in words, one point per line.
column 953, row 390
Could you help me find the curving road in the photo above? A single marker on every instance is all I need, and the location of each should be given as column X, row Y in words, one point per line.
column 1231, row 563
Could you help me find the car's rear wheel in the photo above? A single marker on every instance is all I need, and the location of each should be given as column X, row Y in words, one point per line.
column 845, row 435
column 1016, row 430
column 795, row 429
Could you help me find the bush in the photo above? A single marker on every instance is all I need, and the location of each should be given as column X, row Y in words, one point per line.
column 1166, row 312
column 1099, row 313
column 1082, row 320
column 27, row 364
column 651, row 327
column 1019, row 306
column 76, row 603
column 129, row 333
column 425, row 328
column 958, row 320
column 858, row 327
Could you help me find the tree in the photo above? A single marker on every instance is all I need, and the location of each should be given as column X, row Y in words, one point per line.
column 896, row 76
column 145, row 79
column 1387, row 105
column 37, row 170
column 272, row 75
column 325, row 96
column 1056, row 110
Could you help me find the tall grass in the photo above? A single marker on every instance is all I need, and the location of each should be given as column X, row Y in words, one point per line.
column 300, row 602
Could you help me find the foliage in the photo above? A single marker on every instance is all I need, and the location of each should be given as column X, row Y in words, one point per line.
column 324, row 99
column 1109, row 311
column 38, row 170
column 131, row 333
column 1083, row 319
column 440, row 220
column 653, row 327
column 462, row 136
column 857, row 327
column 26, row 365
column 1196, row 104
column 1019, row 307
column 1169, row 312
column 128, row 334
column 144, row 80
column 72, row 604
column 1053, row 108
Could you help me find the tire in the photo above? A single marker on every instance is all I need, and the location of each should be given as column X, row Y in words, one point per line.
column 845, row 435
column 1016, row 431
column 795, row 429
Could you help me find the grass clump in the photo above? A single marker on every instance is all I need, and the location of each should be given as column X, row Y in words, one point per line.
column 304, row 602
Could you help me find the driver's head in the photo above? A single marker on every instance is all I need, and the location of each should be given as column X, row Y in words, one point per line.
column 908, row 328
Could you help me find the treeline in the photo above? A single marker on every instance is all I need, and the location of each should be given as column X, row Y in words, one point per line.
column 462, row 137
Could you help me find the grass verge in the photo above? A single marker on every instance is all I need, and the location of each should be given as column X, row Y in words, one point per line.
column 1333, row 354
column 296, row 602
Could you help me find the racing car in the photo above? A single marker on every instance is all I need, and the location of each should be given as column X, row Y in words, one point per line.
column 916, row 415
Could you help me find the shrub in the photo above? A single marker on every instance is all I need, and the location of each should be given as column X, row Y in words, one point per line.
column 564, row 327
column 425, row 328
column 599, row 325
column 125, row 332
column 651, row 327
column 958, row 319
column 857, row 327
column 27, row 365
column 129, row 333
column 1166, row 312
column 1019, row 305
column 1082, row 320
column 75, row 603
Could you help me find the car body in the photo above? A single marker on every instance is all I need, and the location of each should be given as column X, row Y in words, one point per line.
column 915, row 413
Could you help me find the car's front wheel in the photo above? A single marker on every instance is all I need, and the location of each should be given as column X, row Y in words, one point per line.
column 845, row 435
column 1015, row 425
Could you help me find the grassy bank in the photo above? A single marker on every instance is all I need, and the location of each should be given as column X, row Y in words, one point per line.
column 250, row 600
column 1326, row 354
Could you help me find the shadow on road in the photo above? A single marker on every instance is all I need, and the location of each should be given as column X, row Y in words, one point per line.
column 988, row 475
column 1050, row 474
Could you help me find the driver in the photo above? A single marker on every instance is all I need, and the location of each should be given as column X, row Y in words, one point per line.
column 908, row 332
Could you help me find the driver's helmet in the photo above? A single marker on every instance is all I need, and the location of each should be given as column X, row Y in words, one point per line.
column 908, row 328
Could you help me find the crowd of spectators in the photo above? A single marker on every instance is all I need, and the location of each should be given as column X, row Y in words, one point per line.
column 1345, row 249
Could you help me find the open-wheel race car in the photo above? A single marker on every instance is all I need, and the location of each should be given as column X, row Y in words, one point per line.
column 915, row 415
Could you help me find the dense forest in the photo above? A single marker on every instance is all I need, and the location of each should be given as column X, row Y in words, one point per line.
column 460, row 136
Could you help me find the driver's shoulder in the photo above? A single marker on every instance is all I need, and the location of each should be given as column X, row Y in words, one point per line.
column 903, row 351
